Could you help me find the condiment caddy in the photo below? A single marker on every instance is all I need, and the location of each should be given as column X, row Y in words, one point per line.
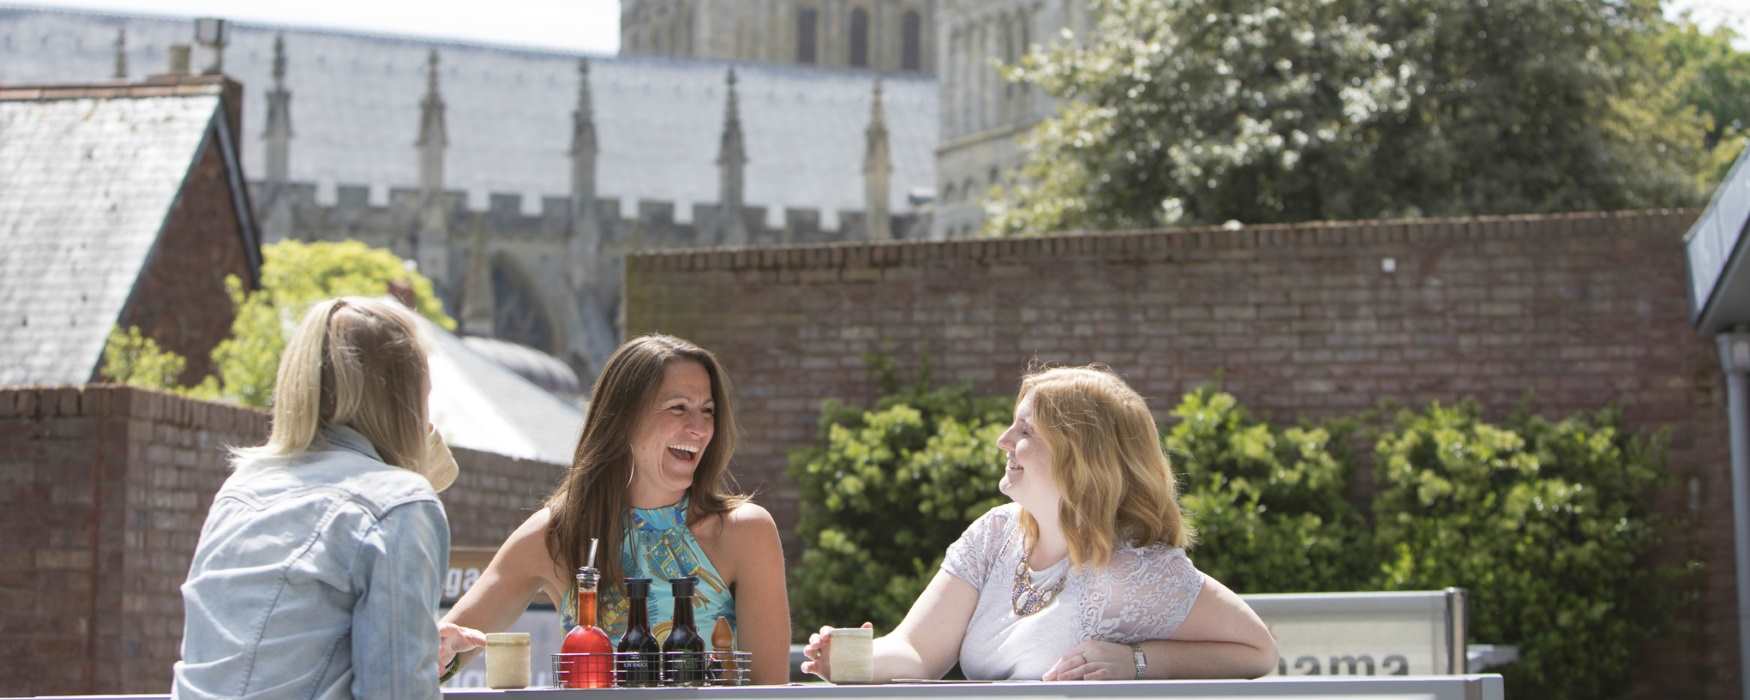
column 639, row 661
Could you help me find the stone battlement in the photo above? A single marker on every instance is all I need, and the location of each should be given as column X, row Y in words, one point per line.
column 357, row 210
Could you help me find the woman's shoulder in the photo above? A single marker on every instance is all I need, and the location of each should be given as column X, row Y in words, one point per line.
column 993, row 527
column 1156, row 559
column 369, row 483
column 747, row 537
column 998, row 519
column 748, row 518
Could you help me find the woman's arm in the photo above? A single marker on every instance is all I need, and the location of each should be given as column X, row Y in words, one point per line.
column 520, row 569
column 762, row 604
column 1221, row 638
column 925, row 645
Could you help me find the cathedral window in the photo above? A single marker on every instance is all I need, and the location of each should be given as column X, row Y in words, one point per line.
column 860, row 38
column 1008, row 54
column 911, row 41
column 807, row 21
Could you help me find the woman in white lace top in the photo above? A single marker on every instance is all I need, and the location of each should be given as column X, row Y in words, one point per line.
column 1084, row 576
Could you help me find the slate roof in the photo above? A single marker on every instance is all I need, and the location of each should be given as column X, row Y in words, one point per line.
column 481, row 405
column 86, row 185
column 355, row 112
column 539, row 368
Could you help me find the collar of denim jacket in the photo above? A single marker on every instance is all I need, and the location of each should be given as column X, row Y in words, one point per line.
column 346, row 438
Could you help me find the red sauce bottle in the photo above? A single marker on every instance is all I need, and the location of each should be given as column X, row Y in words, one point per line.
column 588, row 671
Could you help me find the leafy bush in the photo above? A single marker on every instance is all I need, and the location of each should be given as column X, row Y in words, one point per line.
column 885, row 492
column 1269, row 505
column 1548, row 525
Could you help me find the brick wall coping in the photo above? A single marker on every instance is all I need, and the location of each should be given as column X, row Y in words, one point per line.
column 45, row 401
column 1133, row 242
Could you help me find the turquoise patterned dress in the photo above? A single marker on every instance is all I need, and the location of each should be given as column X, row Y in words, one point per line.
column 657, row 545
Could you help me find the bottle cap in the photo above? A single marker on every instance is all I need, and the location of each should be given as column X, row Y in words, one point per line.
column 683, row 586
column 637, row 588
column 588, row 576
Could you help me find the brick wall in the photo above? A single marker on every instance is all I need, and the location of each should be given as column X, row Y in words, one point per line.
column 103, row 491
column 1566, row 312
column 179, row 298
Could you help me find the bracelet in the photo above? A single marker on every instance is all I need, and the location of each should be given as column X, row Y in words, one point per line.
column 1140, row 658
column 450, row 670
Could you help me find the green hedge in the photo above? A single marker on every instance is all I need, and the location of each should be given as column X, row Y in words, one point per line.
column 1270, row 505
column 1549, row 525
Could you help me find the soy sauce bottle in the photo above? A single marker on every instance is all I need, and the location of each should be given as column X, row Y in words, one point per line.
column 687, row 667
column 643, row 670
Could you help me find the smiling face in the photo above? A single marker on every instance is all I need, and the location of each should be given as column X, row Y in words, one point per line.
column 1027, row 478
column 678, row 424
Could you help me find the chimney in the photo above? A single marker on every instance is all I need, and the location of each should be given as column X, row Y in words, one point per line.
column 121, row 54
column 178, row 60
column 212, row 33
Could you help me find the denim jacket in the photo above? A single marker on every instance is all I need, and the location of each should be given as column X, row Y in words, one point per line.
column 316, row 577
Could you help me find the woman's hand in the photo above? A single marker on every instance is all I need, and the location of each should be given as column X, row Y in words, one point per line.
column 454, row 639
column 819, row 652
column 1094, row 661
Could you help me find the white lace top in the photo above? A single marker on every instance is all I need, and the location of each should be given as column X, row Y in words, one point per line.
column 1143, row 593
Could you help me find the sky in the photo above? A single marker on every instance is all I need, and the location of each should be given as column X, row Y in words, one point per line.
column 574, row 25
column 591, row 26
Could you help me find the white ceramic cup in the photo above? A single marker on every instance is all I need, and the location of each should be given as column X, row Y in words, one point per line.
column 507, row 660
column 852, row 655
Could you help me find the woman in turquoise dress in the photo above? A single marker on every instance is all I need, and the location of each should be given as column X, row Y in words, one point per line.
column 650, row 481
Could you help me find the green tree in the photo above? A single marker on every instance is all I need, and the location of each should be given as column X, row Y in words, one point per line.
column 1184, row 112
column 294, row 275
column 1713, row 78
column 135, row 359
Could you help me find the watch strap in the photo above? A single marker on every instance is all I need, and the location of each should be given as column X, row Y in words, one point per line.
column 1140, row 658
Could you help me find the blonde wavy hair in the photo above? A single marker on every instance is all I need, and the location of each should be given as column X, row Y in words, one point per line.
column 356, row 362
column 1107, row 459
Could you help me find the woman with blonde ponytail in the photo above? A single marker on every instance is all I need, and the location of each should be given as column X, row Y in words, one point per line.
column 1085, row 575
column 318, row 570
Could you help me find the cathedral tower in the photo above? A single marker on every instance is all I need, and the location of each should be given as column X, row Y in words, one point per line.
column 883, row 35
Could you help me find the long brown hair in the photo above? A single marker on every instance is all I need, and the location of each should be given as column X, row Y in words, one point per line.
column 593, row 499
column 1106, row 456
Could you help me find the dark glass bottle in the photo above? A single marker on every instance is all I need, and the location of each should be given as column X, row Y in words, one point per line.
column 645, row 669
column 688, row 666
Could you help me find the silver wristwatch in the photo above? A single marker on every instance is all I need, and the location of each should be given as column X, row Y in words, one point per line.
column 1140, row 658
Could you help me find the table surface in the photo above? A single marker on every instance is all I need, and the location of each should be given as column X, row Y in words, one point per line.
column 1461, row 687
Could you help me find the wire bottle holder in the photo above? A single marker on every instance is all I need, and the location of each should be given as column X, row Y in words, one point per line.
column 632, row 669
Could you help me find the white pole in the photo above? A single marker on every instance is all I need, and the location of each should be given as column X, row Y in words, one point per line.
column 1732, row 345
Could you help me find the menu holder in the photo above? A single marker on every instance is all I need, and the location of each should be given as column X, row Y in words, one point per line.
column 678, row 668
